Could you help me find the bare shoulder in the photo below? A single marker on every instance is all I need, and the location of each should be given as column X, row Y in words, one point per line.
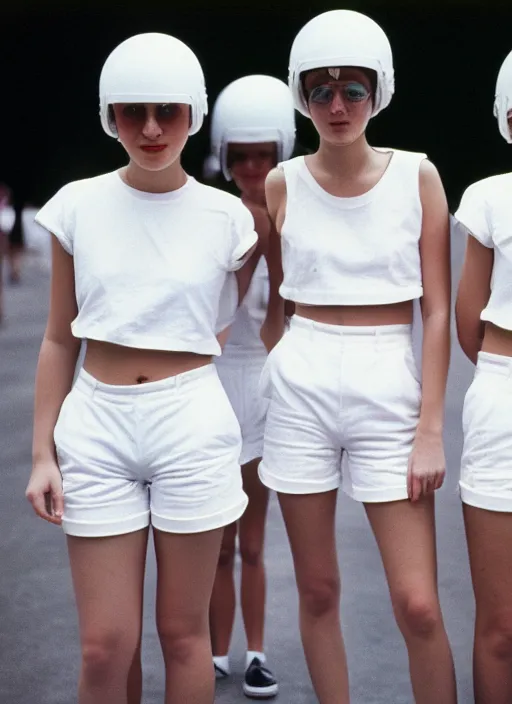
column 431, row 186
column 275, row 191
column 429, row 174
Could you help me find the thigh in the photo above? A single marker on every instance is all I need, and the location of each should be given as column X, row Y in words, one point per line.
column 108, row 580
column 405, row 535
column 489, row 536
column 310, row 525
column 186, row 567
column 252, row 523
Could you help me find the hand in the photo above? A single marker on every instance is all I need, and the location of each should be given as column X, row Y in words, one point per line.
column 44, row 491
column 427, row 465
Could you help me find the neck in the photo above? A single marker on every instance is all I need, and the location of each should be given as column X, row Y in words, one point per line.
column 169, row 179
column 257, row 198
column 340, row 160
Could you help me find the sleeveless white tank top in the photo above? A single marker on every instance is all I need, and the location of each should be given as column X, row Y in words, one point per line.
column 362, row 250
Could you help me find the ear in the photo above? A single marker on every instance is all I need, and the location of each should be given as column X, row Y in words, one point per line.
column 112, row 119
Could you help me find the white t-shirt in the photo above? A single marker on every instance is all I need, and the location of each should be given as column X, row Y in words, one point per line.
column 149, row 267
column 485, row 212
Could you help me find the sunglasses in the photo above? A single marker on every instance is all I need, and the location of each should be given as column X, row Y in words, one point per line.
column 137, row 112
column 353, row 92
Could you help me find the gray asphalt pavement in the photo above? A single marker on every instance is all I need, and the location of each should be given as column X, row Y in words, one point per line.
column 39, row 653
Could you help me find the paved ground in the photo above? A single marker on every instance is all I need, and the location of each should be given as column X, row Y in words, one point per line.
column 39, row 652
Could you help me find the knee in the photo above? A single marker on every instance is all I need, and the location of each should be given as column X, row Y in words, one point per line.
column 227, row 556
column 180, row 638
column 251, row 553
column 497, row 632
column 418, row 615
column 320, row 596
column 105, row 655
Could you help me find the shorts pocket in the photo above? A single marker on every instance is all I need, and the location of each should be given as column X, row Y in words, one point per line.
column 412, row 366
column 265, row 385
column 60, row 425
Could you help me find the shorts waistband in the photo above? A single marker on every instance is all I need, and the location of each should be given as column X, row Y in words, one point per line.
column 352, row 334
column 242, row 355
column 495, row 363
column 87, row 384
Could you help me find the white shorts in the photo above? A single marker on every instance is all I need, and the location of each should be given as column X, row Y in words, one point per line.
column 240, row 375
column 486, row 466
column 165, row 452
column 337, row 391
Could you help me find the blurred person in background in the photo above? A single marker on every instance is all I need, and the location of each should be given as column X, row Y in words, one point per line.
column 7, row 219
column 252, row 129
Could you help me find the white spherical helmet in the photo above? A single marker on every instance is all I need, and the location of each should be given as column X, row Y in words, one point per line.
column 342, row 38
column 152, row 68
column 253, row 109
column 503, row 99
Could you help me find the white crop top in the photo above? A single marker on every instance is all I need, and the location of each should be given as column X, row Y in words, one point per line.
column 485, row 212
column 362, row 250
column 149, row 267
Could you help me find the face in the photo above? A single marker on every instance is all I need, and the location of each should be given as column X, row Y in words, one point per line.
column 153, row 135
column 340, row 107
column 249, row 165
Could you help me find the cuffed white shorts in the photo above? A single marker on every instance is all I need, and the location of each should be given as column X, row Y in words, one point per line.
column 340, row 392
column 165, row 452
column 240, row 371
column 486, row 466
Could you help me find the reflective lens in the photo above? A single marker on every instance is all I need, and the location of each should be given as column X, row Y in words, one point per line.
column 137, row 112
column 353, row 92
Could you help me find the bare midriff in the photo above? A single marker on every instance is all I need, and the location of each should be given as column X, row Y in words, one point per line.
column 389, row 314
column 123, row 366
column 497, row 340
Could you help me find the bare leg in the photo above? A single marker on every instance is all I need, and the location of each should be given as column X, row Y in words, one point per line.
column 186, row 572
column 2, row 252
column 15, row 255
column 223, row 602
column 489, row 536
column 309, row 521
column 108, row 578
column 135, row 677
column 252, row 536
column 405, row 534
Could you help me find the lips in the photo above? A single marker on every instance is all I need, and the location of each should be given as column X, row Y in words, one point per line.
column 153, row 148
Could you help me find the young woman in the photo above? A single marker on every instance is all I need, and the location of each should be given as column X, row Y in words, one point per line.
column 359, row 234
column 253, row 127
column 484, row 325
column 140, row 257
column 7, row 218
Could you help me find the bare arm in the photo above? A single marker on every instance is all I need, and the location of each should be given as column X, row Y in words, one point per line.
column 427, row 461
column 273, row 327
column 54, row 376
column 436, row 301
column 472, row 296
